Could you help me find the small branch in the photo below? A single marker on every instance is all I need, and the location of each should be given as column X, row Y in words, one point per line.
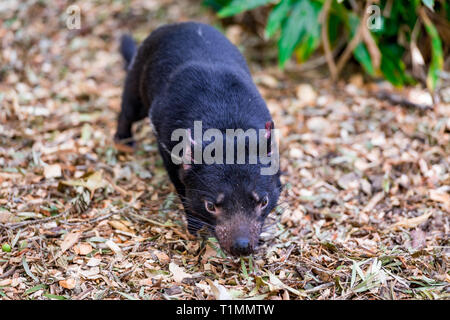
column 13, row 226
column 326, row 40
column 372, row 47
column 355, row 40
column 348, row 51
column 8, row 273
column 315, row 62
column 399, row 100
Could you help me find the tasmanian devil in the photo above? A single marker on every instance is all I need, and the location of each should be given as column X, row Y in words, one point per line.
column 189, row 72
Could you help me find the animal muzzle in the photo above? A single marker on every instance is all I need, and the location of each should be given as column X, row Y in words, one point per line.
column 238, row 235
column 241, row 246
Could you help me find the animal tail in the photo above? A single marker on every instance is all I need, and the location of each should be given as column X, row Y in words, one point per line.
column 127, row 49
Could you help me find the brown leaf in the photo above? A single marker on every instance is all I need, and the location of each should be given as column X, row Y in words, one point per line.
column 69, row 240
column 83, row 249
column 92, row 182
column 68, row 283
column 374, row 201
column 410, row 223
column 440, row 196
column 52, row 171
column 4, row 216
column 162, row 257
column 119, row 225
column 209, row 252
column 178, row 273
column 418, row 238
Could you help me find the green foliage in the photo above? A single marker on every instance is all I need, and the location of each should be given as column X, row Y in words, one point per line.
column 437, row 55
column 301, row 28
column 392, row 66
column 238, row 6
column 297, row 26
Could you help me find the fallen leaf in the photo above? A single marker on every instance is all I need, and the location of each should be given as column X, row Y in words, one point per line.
column 219, row 291
column 349, row 181
column 440, row 196
column 209, row 252
column 114, row 247
column 162, row 257
column 68, row 283
column 418, row 238
column 306, row 94
column 276, row 284
column 374, row 201
column 4, row 216
column 319, row 125
column 93, row 262
column 119, row 226
column 178, row 273
column 83, row 249
column 410, row 223
column 92, row 182
column 52, row 171
column 69, row 240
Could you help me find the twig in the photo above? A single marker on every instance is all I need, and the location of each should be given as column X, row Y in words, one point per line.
column 372, row 47
column 348, row 51
column 97, row 219
column 13, row 226
column 326, row 41
column 354, row 42
column 8, row 273
column 144, row 219
column 398, row 99
column 315, row 62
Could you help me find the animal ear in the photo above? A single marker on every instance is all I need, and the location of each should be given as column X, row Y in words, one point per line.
column 268, row 135
column 269, row 126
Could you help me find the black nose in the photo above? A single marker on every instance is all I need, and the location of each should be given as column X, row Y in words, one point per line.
column 241, row 246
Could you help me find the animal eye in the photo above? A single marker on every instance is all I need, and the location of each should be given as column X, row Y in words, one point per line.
column 264, row 202
column 210, row 207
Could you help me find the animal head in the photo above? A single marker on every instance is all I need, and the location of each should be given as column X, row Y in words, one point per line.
column 232, row 200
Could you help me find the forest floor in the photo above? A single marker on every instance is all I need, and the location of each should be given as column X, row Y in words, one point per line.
column 364, row 213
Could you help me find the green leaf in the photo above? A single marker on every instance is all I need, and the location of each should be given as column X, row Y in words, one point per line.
column 238, row 6
column 35, row 288
column 333, row 28
column 244, row 269
column 216, row 4
column 303, row 19
column 392, row 66
column 309, row 43
column 437, row 56
column 52, row 296
column 362, row 55
column 28, row 271
column 276, row 17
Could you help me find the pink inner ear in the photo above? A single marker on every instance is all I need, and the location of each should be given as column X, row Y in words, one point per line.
column 268, row 128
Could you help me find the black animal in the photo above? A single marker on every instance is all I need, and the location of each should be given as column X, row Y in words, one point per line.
column 190, row 72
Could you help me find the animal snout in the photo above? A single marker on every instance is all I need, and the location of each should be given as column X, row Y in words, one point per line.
column 241, row 246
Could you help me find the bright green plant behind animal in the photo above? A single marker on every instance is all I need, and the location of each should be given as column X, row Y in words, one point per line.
column 297, row 26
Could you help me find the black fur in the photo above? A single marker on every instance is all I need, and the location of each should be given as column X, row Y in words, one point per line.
column 127, row 49
column 190, row 72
